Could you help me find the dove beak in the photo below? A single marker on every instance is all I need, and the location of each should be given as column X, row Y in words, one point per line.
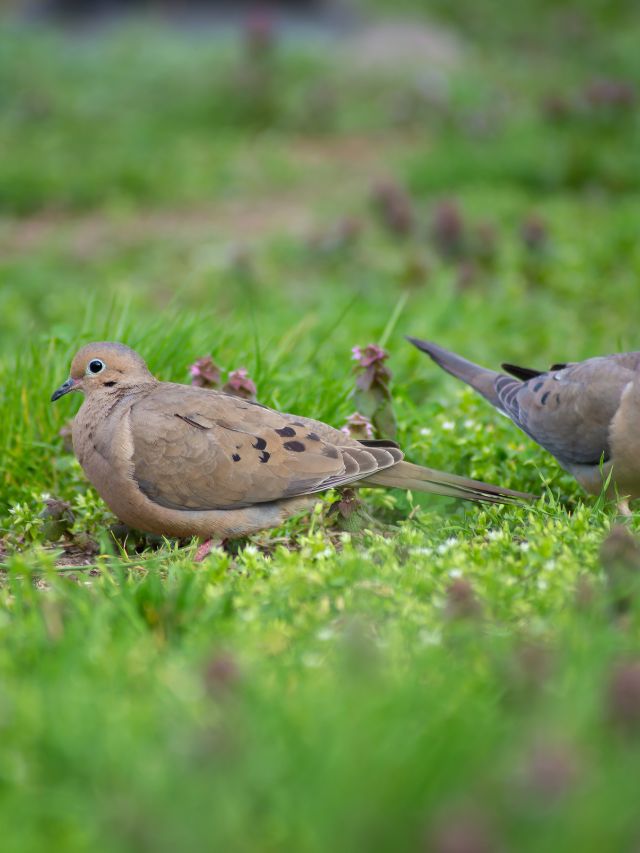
column 69, row 385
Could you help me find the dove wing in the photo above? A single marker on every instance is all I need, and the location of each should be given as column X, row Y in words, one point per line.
column 195, row 449
column 569, row 411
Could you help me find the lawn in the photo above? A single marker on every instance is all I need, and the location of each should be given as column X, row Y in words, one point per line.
column 448, row 677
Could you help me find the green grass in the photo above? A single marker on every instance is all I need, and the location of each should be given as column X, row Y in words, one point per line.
column 312, row 689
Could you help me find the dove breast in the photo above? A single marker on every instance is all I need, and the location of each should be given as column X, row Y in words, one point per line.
column 625, row 442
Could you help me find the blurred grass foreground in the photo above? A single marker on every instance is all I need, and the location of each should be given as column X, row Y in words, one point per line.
column 257, row 190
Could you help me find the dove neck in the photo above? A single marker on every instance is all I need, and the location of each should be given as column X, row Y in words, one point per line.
column 118, row 390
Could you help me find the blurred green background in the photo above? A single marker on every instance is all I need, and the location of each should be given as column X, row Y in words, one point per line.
column 273, row 186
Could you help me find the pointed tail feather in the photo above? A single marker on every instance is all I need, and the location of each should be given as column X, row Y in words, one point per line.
column 479, row 378
column 406, row 475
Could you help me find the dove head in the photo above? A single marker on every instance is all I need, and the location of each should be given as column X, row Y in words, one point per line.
column 102, row 367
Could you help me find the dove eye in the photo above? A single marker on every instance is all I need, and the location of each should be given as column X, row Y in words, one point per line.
column 95, row 366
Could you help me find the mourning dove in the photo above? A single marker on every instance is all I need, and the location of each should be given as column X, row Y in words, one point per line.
column 587, row 414
column 185, row 461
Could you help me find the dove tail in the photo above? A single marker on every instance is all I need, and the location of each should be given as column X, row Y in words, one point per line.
column 479, row 378
column 417, row 478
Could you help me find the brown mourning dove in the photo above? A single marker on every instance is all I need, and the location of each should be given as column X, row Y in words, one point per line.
column 587, row 414
column 185, row 461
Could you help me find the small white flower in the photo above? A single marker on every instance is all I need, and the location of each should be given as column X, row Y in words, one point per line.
column 524, row 546
column 446, row 546
column 449, row 426
column 327, row 552
column 455, row 573
column 425, row 431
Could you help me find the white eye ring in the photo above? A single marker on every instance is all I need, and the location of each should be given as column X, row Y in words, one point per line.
column 95, row 366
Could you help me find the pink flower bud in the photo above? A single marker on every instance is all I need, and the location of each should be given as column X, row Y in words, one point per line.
column 358, row 427
column 205, row 373
column 240, row 384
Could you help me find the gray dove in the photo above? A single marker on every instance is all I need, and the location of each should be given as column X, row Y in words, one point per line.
column 587, row 413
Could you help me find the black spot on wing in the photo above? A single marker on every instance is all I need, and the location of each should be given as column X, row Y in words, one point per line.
column 260, row 443
column 264, row 456
column 312, row 436
column 294, row 446
column 286, row 432
column 236, row 457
